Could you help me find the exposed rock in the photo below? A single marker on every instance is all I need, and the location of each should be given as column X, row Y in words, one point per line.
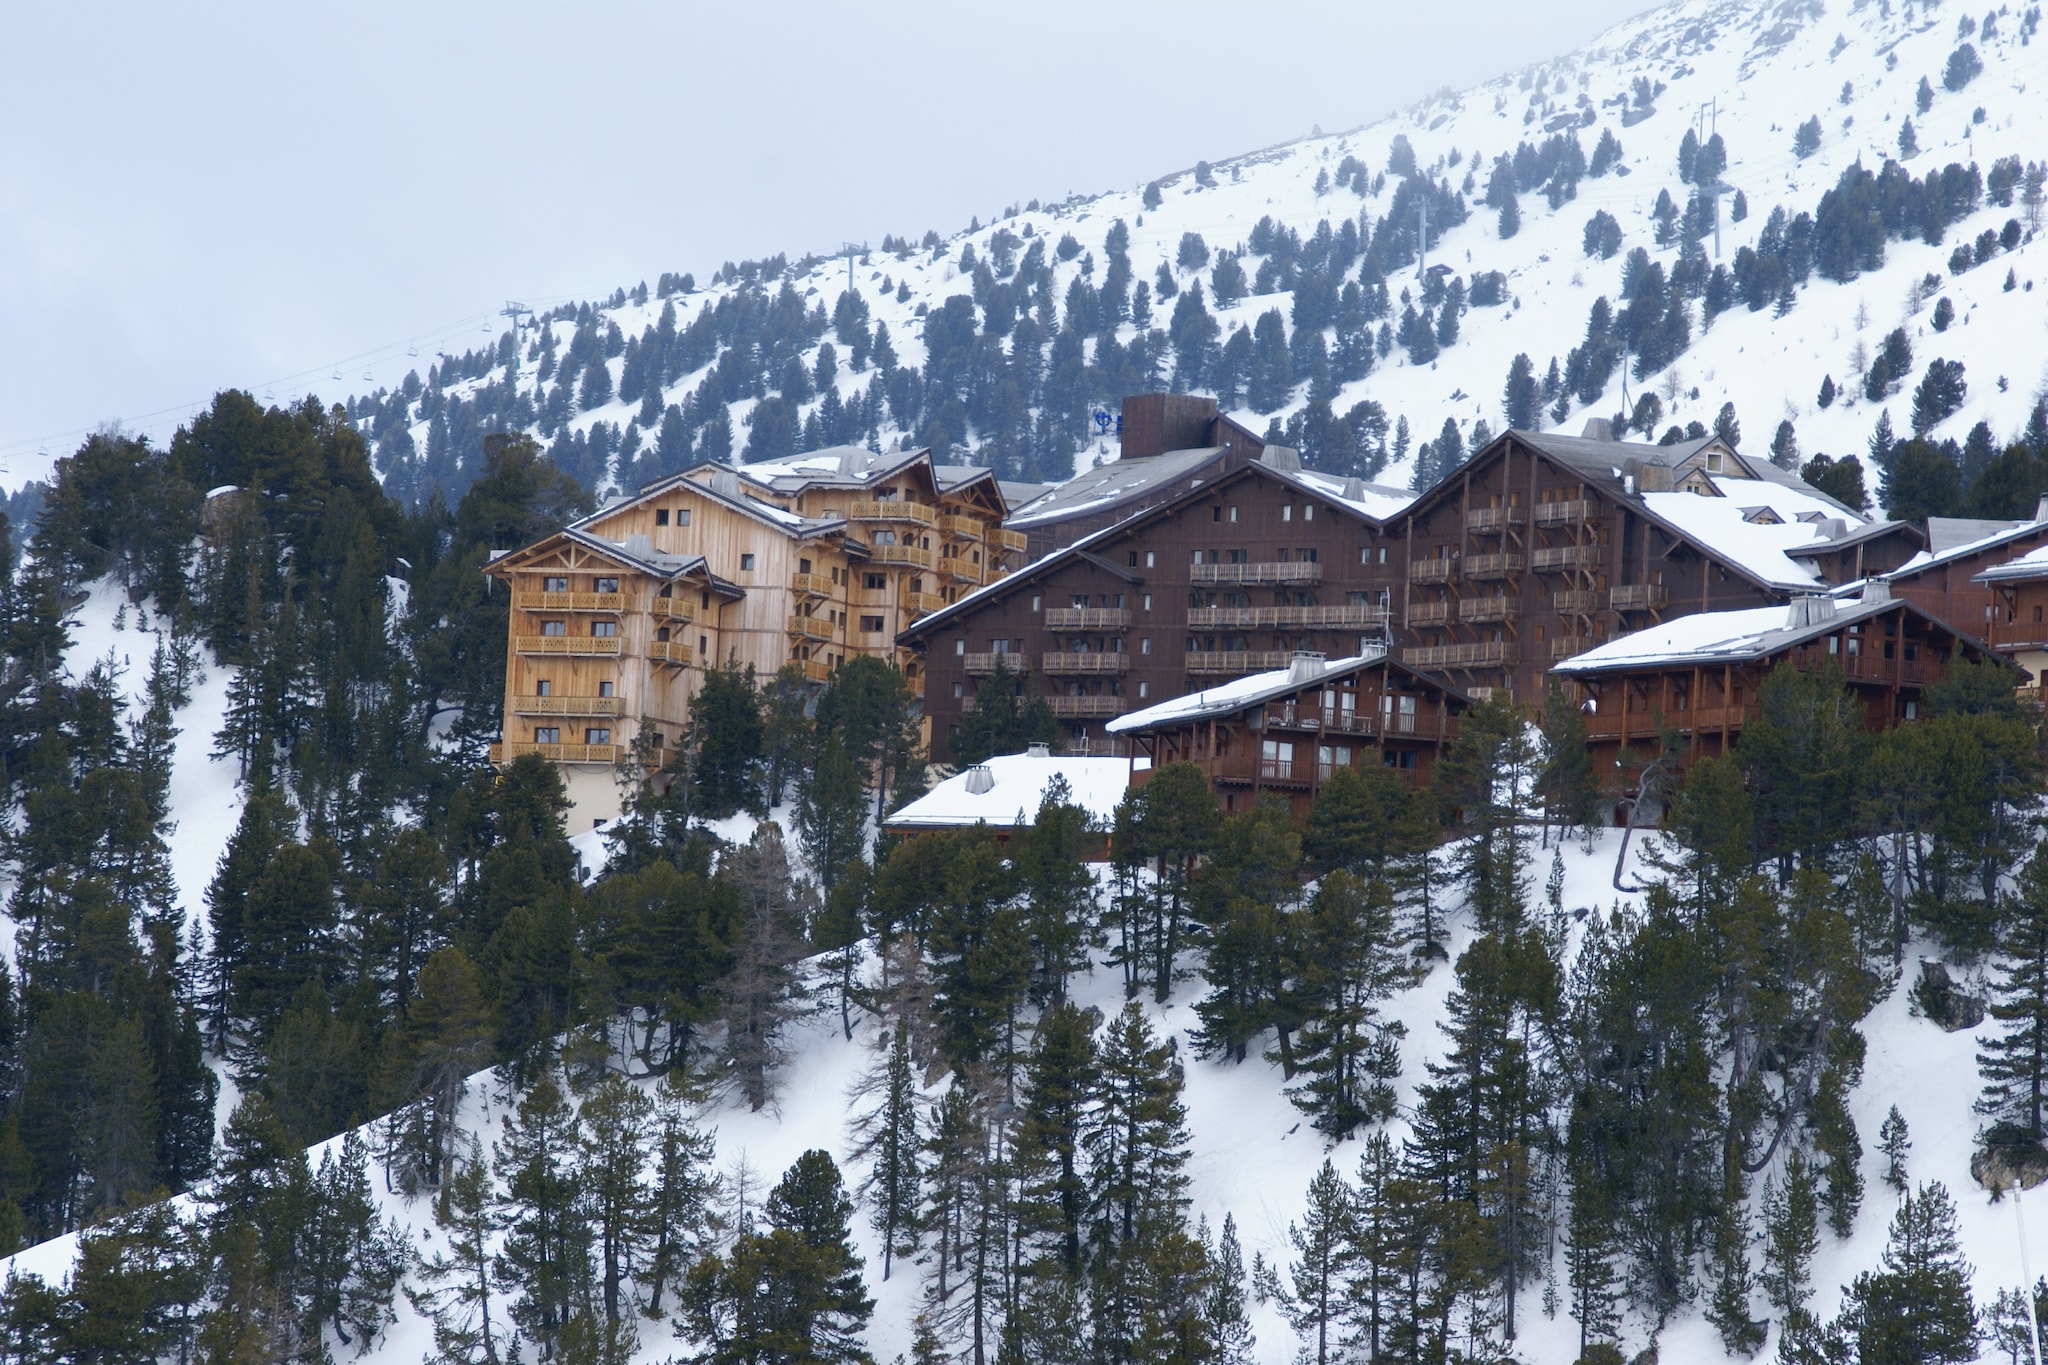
column 1940, row 999
column 2009, row 1158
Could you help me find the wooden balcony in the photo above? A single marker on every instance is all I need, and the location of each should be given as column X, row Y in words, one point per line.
column 811, row 585
column 1009, row 540
column 1564, row 558
column 891, row 509
column 1870, row 665
column 671, row 652
column 1571, row 646
column 961, row 567
column 1490, row 609
column 1432, row 571
column 573, row 601
column 1087, row 618
column 959, row 528
column 816, row 670
column 565, row 706
column 1087, row 708
column 1335, row 720
column 1494, row 566
column 811, row 627
column 1235, row 663
column 1480, row 654
column 872, row 597
column 1494, row 520
column 1293, row 572
column 982, row 665
column 2011, row 635
column 601, row 645
column 1575, row 602
column 558, row 753
column 1643, row 724
column 1436, row 613
column 922, row 602
column 1570, row 512
column 1085, row 665
column 912, row 555
column 673, row 609
column 1306, row 618
column 1638, row 597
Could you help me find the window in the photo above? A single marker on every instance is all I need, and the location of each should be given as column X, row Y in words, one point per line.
column 1037, row 602
column 1215, row 514
column 1144, row 689
column 1148, row 601
column 1134, row 559
column 554, row 585
column 1151, row 559
column 607, row 689
column 547, row 734
column 803, row 566
column 959, row 647
column 1383, row 554
column 703, row 647
column 604, row 630
column 1287, row 511
column 1080, row 600
column 1144, row 644
column 605, row 585
column 1365, row 555
column 957, row 690
column 871, row 624
column 597, row 734
column 661, row 516
column 554, row 627
column 543, row 687
column 1233, row 513
column 746, row 563
column 874, row 582
column 1307, row 556
column 1308, row 511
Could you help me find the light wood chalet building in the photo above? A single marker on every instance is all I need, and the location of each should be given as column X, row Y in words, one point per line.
column 1543, row 546
column 1285, row 732
column 809, row 561
column 1697, row 676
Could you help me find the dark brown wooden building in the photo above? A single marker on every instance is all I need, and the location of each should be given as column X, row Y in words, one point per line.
column 1285, row 732
column 1698, row 675
column 1946, row 580
column 2019, row 617
column 1223, row 580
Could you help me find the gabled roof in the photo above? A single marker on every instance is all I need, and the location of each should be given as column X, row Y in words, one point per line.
column 1945, row 546
column 1242, row 693
column 1853, row 535
column 732, row 495
column 1746, row 636
column 2028, row 567
column 1017, row 783
column 1081, row 549
column 1109, row 486
column 635, row 552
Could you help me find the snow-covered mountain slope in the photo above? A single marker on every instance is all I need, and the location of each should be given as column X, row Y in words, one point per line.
column 1751, row 70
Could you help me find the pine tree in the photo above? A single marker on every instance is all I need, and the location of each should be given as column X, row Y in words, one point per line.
column 454, row 1289
column 1352, row 958
column 886, row 1138
column 543, row 1262
column 1894, row 1141
column 680, row 1201
column 830, row 821
column 1059, row 891
column 763, row 992
column 1791, row 1236
column 355, row 1259
column 1522, row 397
column 1510, row 218
column 610, row 1170
column 1229, row 1325
column 726, row 737
column 1313, row 1299
column 1917, row 1306
column 2014, row 1063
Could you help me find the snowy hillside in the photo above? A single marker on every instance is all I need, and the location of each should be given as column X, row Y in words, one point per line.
column 1752, row 72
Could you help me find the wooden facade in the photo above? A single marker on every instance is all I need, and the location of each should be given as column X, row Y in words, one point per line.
column 1225, row 580
column 1947, row 582
column 1291, row 735
column 2019, row 618
column 809, row 562
column 1888, row 650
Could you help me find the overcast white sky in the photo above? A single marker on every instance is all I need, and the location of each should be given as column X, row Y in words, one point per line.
column 238, row 194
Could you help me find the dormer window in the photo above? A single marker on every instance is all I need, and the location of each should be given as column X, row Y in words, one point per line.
column 1713, row 462
column 1762, row 516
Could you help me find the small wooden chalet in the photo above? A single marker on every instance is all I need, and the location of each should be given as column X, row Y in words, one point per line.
column 1005, row 792
column 1285, row 732
column 1698, row 675
column 1950, row 578
column 2019, row 617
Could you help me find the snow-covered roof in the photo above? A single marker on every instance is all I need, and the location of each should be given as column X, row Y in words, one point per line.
column 1728, row 636
column 1375, row 500
column 1238, row 693
column 1110, row 485
column 2031, row 565
column 1018, row 783
column 1726, row 526
column 1944, row 546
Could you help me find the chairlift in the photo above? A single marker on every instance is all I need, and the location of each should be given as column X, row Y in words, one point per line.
column 413, row 348
column 367, row 374
column 337, row 374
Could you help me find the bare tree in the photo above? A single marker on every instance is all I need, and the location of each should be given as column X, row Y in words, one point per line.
column 764, row 991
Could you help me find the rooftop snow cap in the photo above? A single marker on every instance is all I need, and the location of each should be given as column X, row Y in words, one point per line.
column 980, row 780
column 1809, row 611
column 1038, row 749
column 1597, row 429
column 1306, row 666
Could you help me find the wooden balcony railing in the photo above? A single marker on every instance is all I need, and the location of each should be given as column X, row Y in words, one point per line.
column 673, row 609
column 1009, row 540
column 1235, row 663
column 960, row 528
column 573, row 601
column 913, row 555
column 2016, row 634
column 1493, row 566
column 558, row 753
column 1562, row 558
column 1437, row 613
column 1088, row 708
column 812, row 585
column 671, row 652
column 1480, row 609
column 1479, row 654
column 568, row 644
column 1085, row 665
column 1571, row 646
column 1575, row 601
column 922, row 602
column 1432, row 571
column 982, row 665
column 565, row 706
column 890, row 509
column 872, row 597
column 1638, row 596
column 1570, row 512
column 811, row 627
column 1293, row 572
column 962, row 567
column 1335, row 720
column 1643, row 724
column 1493, row 520
column 1087, row 618
column 817, row 670
column 1310, row 618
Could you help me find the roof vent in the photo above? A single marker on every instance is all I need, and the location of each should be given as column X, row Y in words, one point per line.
column 1354, row 489
column 980, row 781
column 853, row 460
column 1834, row 528
column 2041, row 509
column 1038, row 749
column 1877, row 590
column 640, row 547
column 1597, row 429
column 1281, row 457
column 1809, row 611
column 726, row 483
column 1306, row 666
